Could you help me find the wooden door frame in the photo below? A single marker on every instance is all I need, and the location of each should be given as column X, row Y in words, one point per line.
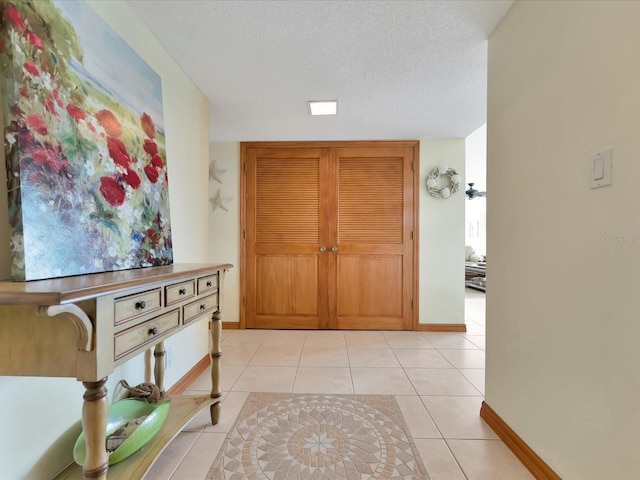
column 414, row 144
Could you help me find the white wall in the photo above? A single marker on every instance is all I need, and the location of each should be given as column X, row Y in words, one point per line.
column 441, row 298
column 476, row 172
column 39, row 421
column 563, row 351
column 476, row 158
column 224, row 226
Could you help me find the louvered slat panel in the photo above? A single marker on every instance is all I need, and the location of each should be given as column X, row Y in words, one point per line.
column 370, row 200
column 287, row 200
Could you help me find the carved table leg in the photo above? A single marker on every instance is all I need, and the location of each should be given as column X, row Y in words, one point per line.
column 95, row 411
column 158, row 368
column 216, row 353
column 147, row 365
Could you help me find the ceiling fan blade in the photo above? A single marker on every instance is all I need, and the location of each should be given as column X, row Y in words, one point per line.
column 472, row 193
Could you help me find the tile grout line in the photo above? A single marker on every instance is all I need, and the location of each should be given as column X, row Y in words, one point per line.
column 186, row 454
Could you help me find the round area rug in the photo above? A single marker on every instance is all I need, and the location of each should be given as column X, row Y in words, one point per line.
column 353, row 437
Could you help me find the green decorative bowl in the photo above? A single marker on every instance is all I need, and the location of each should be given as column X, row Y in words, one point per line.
column 119, row 415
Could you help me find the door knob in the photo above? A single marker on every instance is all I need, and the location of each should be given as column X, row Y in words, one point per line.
column 323, row 248
column 334, row 248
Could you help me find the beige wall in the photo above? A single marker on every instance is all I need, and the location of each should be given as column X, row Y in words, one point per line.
column 39, row 420
column 563, row 335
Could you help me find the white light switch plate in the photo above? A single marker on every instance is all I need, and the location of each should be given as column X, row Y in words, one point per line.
column 600, row 169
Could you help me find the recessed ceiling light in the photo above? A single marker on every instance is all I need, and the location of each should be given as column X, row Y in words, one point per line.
column 323, row 107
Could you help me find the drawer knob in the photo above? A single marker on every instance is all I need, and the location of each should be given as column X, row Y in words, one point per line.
column 182, row 291
column 203, row 306
column 141, row 305
column 209, row 283
column 153, row 330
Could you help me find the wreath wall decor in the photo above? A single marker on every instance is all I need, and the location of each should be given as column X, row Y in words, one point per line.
column 442, row 181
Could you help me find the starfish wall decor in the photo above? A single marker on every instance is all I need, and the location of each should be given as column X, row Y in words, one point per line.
column 215, row 172
column 220, row 201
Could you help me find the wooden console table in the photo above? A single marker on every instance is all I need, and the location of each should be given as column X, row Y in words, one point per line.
column 85, row 326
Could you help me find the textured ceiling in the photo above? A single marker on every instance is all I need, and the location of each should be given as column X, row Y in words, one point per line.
column 399, row 69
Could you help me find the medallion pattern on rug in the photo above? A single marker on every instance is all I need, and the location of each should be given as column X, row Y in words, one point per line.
column 334, row 437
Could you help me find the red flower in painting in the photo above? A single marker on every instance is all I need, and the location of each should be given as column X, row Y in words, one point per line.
column 35, row 40
column 112, row 191
column 148, row 126
column 38, row 123
column 31, row 68
column 35, row 177
column 109, row 122
column 50, row 158
column 50, row 107
column 57, row 97
column 12, row 15
column 76, row 112
column 150, row 147
column 59, row 165
column 118, row 152
column 152, row 173
column 156, row 161
column 132, row 178
column 40, row 156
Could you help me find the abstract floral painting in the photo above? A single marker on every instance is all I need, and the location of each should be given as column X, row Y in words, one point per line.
column 84, row 144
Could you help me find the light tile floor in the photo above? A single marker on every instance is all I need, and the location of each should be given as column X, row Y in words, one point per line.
column 437, row 378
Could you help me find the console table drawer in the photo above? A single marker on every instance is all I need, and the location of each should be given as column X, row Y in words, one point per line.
column 139, row 335
column 130, row 307
column 204, row 305
column 180, row 291
column 207, row 284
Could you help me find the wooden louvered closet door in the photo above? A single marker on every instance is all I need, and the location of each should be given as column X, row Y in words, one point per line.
column 286, row 280
column 328, row 235
column 372, row 274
